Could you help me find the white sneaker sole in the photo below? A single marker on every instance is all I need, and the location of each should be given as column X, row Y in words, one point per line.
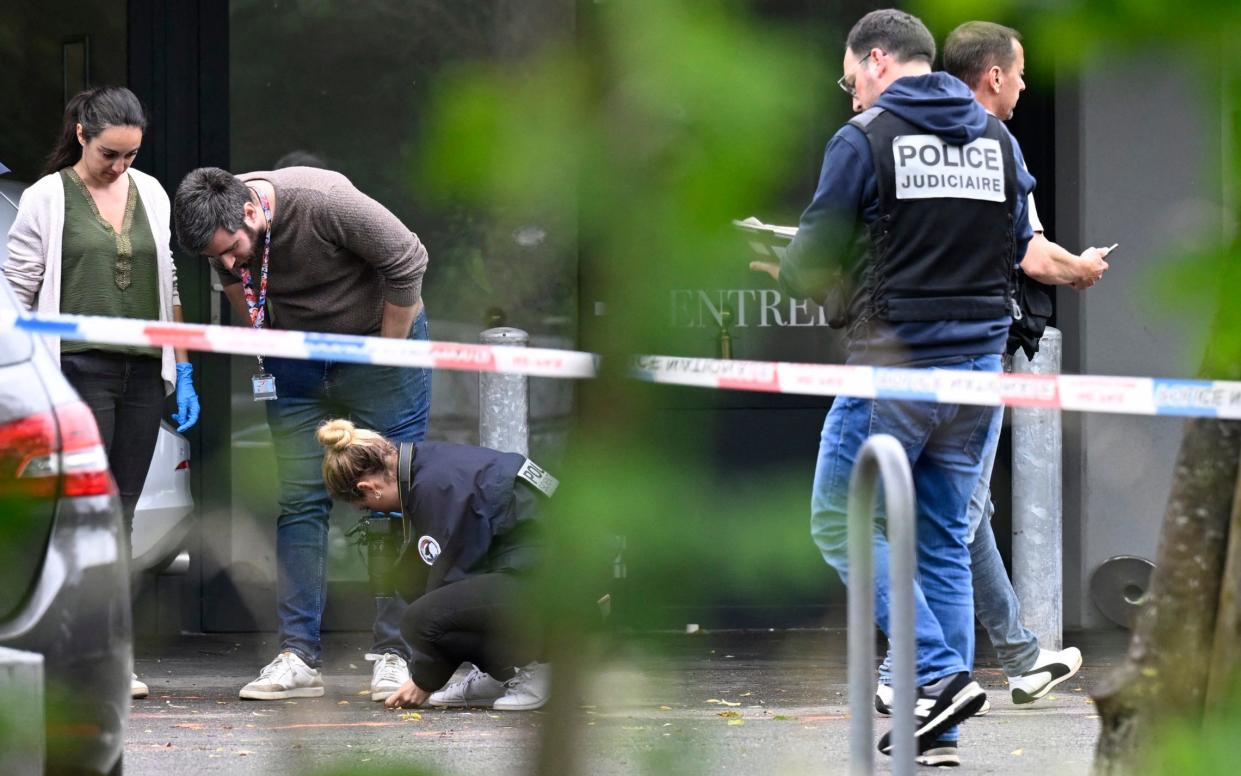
column 522, row 707
column 529, row 707
column 279, row 695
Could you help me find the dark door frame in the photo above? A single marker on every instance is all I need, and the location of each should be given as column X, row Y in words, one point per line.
column 178, row 66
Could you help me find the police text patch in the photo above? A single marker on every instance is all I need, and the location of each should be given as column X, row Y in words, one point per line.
column 928, row 167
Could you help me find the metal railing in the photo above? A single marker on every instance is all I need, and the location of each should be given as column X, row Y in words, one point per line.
column 881, row 458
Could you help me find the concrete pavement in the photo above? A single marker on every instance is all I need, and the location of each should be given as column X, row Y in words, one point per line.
column 753, row 702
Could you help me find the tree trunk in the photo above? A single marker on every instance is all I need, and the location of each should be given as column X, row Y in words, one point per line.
column 1226, row 651
column 1165, row 673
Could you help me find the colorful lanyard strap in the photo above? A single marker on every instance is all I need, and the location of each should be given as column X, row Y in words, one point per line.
column 258, row 302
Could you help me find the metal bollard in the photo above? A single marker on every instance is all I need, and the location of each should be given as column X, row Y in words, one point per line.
column 504, row 400
column 881, row 457
column 1038, row 531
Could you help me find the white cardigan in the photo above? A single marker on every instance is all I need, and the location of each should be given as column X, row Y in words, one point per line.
column 33, row 266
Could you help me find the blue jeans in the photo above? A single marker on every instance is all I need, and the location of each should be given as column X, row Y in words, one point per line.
column 391, row 400
column 946, row 445
column 995, row 601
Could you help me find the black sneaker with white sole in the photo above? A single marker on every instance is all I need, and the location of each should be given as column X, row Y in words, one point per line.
column 954, row 699
column 883, row 703
column 942, row 755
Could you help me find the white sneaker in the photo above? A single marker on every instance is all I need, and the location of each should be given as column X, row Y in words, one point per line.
column 1050, row 669
column 387, row 675
column 527, row 690
column 478, row 688
column 137, row 687
column 287, row 676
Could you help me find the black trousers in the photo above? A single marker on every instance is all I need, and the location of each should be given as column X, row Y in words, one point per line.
column 126, row 395
column 481, row 619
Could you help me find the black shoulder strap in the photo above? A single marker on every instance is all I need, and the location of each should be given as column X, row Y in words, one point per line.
column 1010, row 197
column 862, row 120
column 404, row 463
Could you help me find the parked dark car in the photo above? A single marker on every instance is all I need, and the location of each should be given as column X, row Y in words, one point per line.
column 64, row 588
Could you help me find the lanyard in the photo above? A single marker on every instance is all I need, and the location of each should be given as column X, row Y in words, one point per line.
column 258, row 302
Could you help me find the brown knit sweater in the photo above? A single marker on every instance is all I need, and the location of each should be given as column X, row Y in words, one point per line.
column 336, row 255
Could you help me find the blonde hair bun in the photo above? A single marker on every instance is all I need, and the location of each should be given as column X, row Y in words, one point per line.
column 337, row 434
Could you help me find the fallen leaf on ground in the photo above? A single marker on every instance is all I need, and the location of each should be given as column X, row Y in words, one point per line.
column 665, row 708
column 736, row 722
column 730, row 714
column 746, row 694
column 411, row 715
column 342, row 703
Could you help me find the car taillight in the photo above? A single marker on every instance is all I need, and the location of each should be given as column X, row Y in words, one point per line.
column 182, row 466
column 36, row 457
column 84, row 462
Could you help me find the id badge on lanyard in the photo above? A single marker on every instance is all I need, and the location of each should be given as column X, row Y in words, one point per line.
column 262, row 383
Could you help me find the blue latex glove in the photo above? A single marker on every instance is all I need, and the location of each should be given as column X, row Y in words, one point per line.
column 187, row 399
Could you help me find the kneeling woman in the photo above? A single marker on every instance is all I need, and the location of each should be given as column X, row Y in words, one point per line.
column 469, row 516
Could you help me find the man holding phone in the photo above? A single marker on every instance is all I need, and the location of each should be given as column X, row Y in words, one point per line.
column 990, row 59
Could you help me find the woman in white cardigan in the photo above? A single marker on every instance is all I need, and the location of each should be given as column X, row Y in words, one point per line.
column 92, row 238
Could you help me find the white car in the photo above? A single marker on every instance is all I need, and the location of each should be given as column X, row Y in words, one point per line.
column 162, row 517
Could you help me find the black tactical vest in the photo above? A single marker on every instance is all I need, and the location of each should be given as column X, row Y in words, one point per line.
column 943, row 246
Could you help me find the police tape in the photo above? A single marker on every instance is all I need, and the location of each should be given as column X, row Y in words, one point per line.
column 1081, row 393
column 276, row 343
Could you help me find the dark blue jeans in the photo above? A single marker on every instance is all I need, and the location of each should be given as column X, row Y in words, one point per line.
column 391, row 400
column 995, row 602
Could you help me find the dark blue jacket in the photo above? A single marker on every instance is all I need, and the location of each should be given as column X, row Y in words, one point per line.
column 467, row 513
column 847, row 199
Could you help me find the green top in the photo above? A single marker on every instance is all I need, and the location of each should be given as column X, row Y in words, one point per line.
column 105, row 273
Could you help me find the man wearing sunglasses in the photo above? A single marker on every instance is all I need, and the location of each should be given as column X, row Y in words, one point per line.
column 911, row 241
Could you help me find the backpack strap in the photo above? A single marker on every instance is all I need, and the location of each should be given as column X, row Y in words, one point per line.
column 862, row 120
column 404, row 463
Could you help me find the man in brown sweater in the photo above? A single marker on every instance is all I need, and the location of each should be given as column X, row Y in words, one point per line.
column 302, row 249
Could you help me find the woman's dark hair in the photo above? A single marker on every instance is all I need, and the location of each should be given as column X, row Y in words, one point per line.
column 96, row 110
